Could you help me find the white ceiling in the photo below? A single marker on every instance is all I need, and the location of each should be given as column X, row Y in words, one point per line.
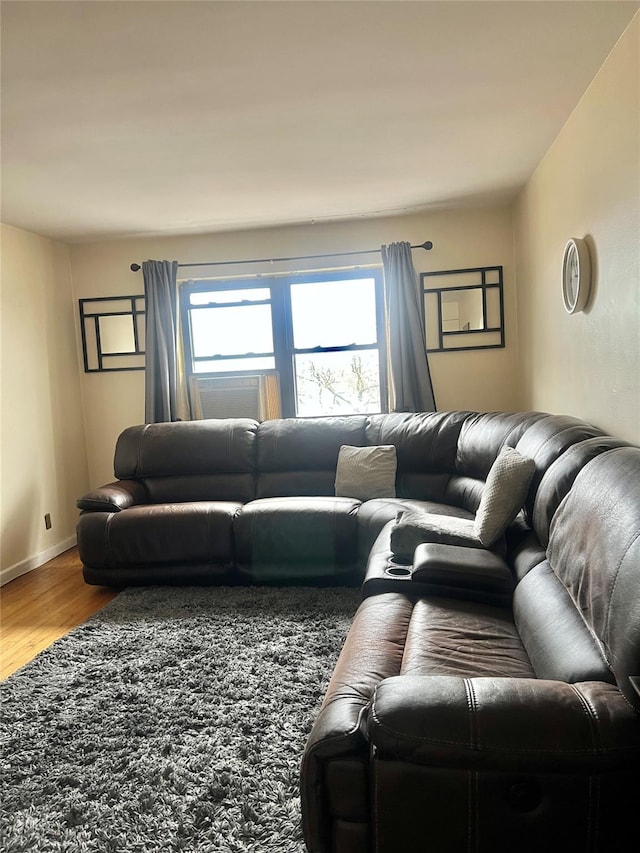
column 144, row 118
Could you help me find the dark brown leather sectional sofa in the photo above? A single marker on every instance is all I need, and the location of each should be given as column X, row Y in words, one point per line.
column 479, row 706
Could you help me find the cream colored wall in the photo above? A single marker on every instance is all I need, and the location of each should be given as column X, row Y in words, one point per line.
column 44, row 466
column 483, row 380
column 587, row 186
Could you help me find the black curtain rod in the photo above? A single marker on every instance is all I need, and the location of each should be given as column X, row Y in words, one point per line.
column 426, row 245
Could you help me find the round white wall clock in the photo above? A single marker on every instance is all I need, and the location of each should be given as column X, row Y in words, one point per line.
column 576, row 275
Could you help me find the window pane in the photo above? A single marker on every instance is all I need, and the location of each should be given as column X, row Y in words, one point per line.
column 231, row 331
column 220, row 297
column 234, row 365
column 337, row 383
column 333, row 314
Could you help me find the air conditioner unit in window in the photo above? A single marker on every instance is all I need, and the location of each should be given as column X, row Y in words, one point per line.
column 241, row 396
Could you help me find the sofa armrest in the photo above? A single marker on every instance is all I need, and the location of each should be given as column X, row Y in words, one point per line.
column 334, row 784
column 333, row 776
column 504, row 723
column 114, row 497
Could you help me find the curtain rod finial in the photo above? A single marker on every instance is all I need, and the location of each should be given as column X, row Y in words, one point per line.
column 135, row 267
column 427, row 245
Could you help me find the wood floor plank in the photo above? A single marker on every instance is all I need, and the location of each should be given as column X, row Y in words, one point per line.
column 41, row 606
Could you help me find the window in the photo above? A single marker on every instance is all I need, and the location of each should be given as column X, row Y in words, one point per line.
column 322, row 333
column 231, row 330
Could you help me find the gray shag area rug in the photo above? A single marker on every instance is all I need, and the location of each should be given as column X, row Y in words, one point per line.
column 173, row 720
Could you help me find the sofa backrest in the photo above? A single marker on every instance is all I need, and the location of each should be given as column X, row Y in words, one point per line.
column 482, row 436
column 190, row 460
column 546, row 440
column 538, row 435
column 442, row 456
column 594, row 551
column 559, row 477
column 426, row 445
column 298, row 456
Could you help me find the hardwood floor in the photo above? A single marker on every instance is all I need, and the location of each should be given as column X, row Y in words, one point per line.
column 40, row 607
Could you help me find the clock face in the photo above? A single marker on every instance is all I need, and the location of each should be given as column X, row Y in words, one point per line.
column 576, row 272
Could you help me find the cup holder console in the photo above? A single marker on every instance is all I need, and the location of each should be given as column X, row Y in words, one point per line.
column 398, row 569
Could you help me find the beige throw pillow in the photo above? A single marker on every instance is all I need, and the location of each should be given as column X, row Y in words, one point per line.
column 366, row 472
column 504, row 494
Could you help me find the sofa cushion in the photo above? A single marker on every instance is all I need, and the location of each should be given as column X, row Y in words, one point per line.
column 504, row 494
column 483, row 436
column 366, row 472
column 297, row 539
column 158, row 535
column 208, row 487
column 183, row 448
column 557, row 639
column 449, row 636
column 209, row 460
column 298, row 456
column 425, row 444
column 465, row 492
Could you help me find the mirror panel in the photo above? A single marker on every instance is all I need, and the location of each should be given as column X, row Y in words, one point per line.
column 432, row 325
column 462, row 310
column 116, row 334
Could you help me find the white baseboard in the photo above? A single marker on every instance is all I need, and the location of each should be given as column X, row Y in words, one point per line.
column 34, row 562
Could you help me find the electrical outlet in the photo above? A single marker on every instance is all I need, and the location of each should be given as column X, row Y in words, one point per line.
column 47, row 521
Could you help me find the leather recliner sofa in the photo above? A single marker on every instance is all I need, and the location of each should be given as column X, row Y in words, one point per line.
column 461, row 717
column 469, row 709
column 234, row 500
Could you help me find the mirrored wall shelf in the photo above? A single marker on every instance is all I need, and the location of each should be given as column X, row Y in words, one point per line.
column 112, row 329
column 463, row 309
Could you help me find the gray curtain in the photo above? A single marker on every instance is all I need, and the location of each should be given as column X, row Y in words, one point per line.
column 410, row 388
column 160, row 373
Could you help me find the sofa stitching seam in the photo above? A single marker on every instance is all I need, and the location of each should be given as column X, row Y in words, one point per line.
column 471, row 705
column 592, row 717
column 469, row 800
column 488, row 748
column 342, row 735
column 139, row 472
column 596, row 810
column 107, row 535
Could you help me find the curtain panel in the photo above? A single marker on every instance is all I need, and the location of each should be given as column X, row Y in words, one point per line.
column 410, row 387
column 161, row 354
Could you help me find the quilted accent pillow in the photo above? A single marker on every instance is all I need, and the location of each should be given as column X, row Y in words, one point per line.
column 504, row 494
column 366, row 472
